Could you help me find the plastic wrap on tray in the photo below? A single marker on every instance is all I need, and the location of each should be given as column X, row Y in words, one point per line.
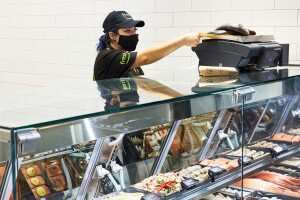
column 164, row 184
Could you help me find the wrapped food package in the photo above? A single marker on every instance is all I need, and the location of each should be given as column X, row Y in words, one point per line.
column 217, row 71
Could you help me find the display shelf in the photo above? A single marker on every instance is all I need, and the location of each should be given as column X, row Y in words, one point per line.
column 59, row 135
column 233, row 176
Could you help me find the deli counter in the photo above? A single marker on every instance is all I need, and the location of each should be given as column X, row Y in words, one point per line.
column 136, row 138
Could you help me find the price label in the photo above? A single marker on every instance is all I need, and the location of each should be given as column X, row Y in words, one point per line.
column 245, row 160
column 188, row 183
column 279, row 149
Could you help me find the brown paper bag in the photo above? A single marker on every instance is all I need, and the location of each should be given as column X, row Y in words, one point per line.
column 218, row 79
column 217, row 71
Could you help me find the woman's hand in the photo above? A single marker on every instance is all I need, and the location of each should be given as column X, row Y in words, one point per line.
column 191, row 39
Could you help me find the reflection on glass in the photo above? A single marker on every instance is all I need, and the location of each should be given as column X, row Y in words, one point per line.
column 123, row 92
column 188, row 142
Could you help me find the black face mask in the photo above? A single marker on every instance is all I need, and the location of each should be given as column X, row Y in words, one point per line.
column 128, row 42
column 129, row 96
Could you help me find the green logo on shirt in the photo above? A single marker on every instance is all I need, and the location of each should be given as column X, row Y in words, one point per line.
column 125, row 58
column 125, row 84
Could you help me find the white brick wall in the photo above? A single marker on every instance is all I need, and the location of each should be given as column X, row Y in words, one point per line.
column 53, row 41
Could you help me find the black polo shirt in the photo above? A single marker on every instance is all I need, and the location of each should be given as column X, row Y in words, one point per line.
column 115, row 64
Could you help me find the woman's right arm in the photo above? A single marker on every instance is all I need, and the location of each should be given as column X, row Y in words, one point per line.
column 159, row 51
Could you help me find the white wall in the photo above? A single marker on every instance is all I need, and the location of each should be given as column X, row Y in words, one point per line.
column 52, row 42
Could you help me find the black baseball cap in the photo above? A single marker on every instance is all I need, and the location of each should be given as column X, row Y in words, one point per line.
column 120, row 19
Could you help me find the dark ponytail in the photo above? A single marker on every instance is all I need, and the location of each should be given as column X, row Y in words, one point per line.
column 103, row 42
column 105, row 39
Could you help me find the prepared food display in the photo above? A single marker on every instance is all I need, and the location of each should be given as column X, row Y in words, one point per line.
column 263, row 144
column 196, row 172
column 247, row 152
column 164, row 184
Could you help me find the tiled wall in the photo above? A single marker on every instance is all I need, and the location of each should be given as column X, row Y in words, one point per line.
column 52, row 42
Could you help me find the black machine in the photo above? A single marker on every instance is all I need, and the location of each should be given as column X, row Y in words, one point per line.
column 242, row 52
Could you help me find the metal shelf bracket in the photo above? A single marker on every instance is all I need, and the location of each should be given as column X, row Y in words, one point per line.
column 242, row 93
column 27, row 140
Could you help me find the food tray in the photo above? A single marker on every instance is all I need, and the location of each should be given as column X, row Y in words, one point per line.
column 282, row 147
column 25, row 189
column 198, row 182
column 283, row 172
column 259, row 194
column 152, row 179
column 266, row 151
column 290, row 142
column 225, row 194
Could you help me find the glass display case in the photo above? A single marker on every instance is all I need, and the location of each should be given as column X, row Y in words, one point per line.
column 136, row 138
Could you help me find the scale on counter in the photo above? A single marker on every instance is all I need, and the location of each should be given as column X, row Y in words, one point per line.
column 254, row 51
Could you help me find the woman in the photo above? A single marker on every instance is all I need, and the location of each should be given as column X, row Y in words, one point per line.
column 116, row 58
